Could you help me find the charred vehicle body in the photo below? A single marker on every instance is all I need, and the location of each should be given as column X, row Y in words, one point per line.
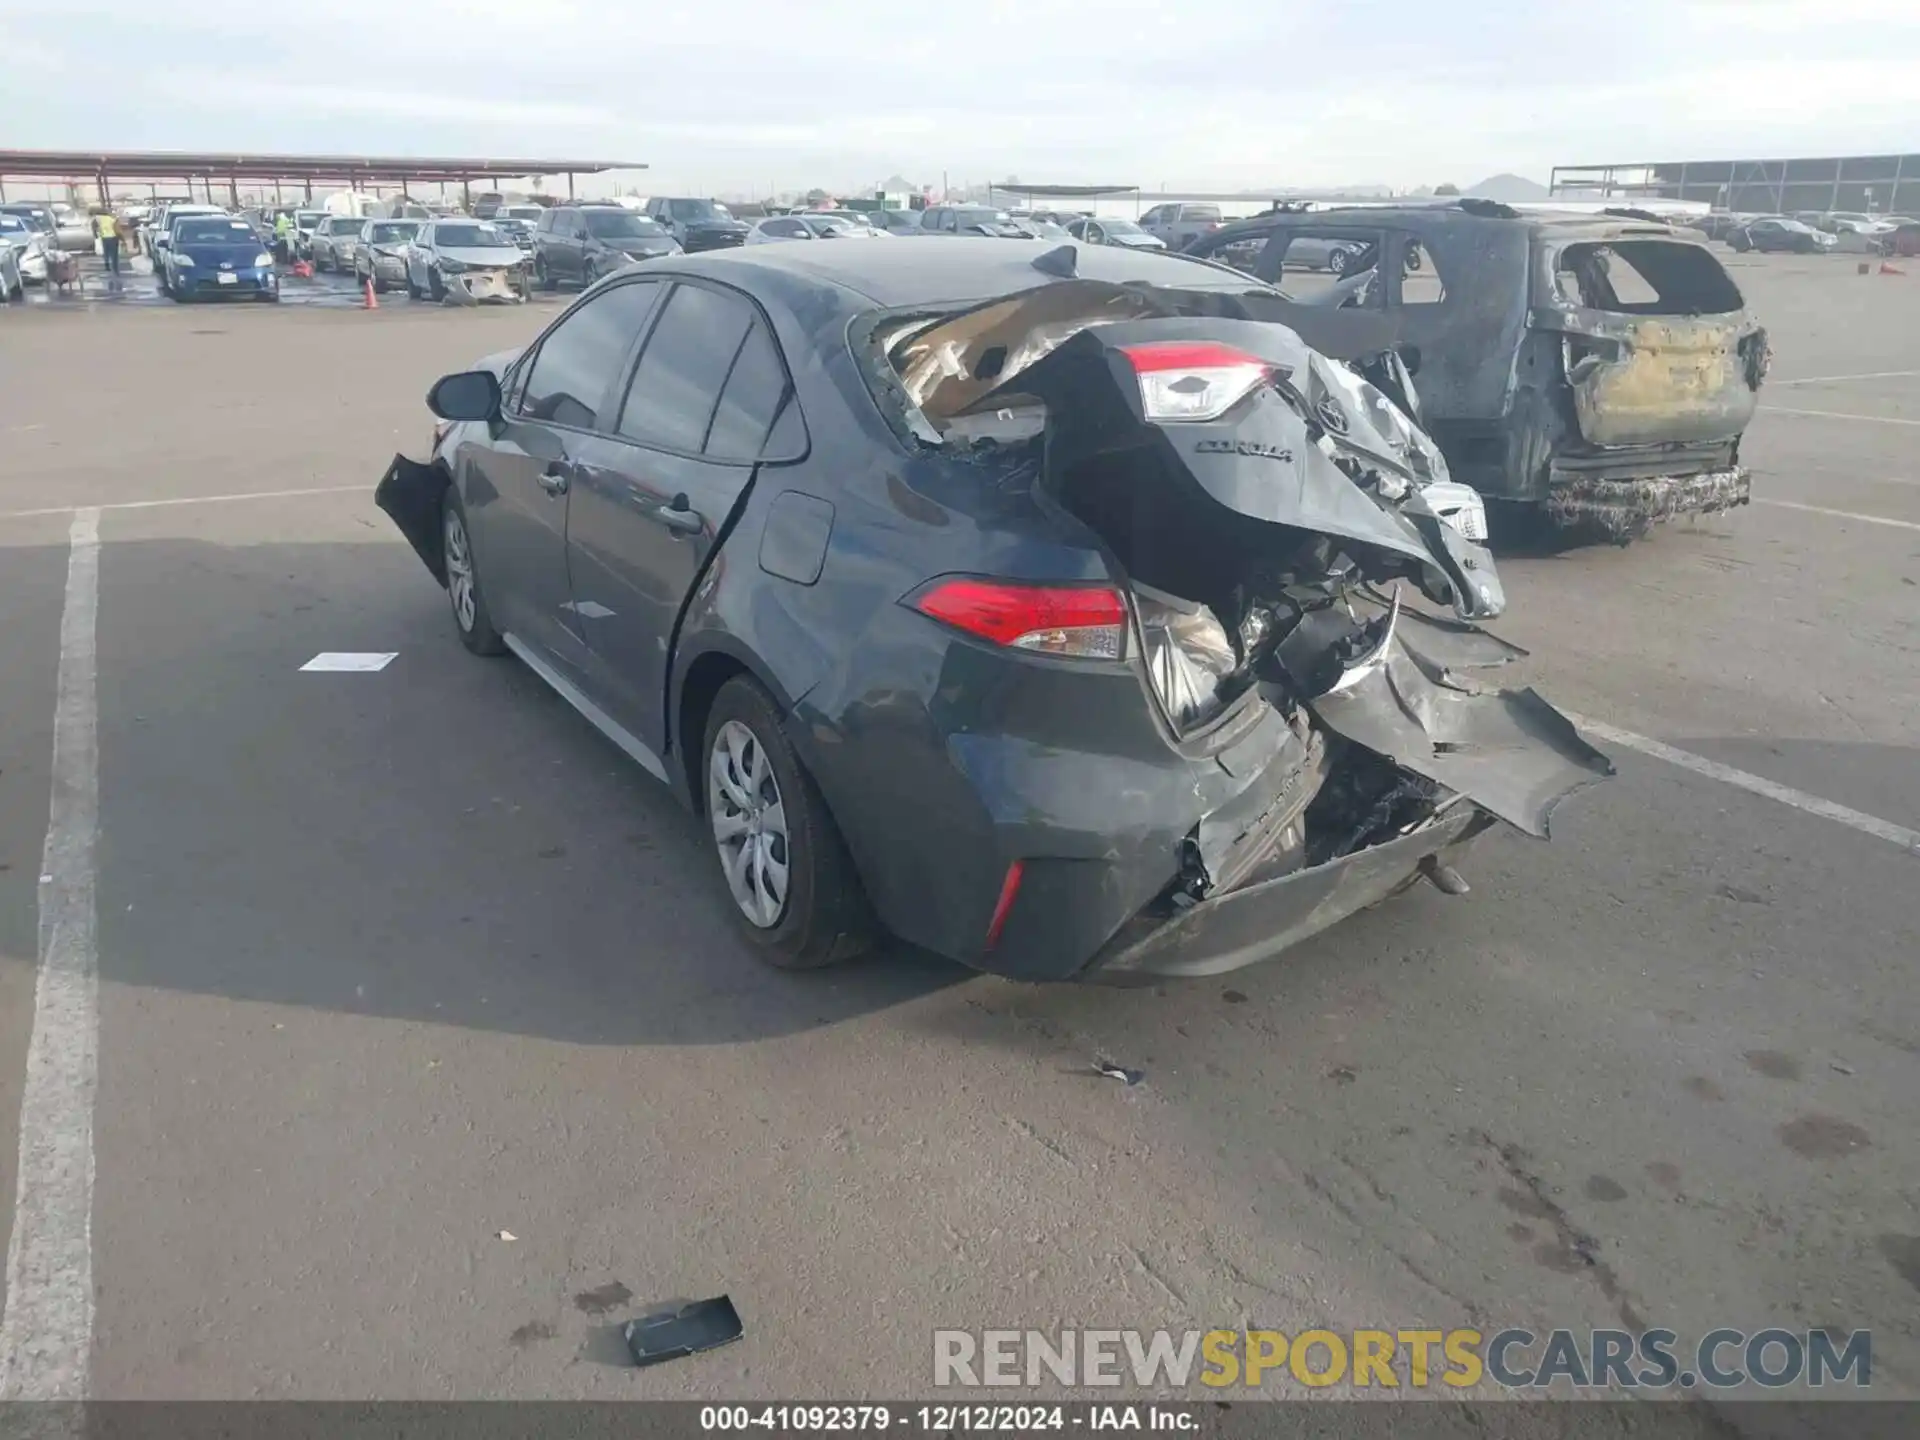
column 1055, row 608
column 1600, row 367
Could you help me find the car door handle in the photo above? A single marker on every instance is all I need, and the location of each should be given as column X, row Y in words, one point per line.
column 556, row 477
column 677, row 517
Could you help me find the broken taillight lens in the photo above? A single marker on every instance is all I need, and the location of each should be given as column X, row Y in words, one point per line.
column 1193, row 379
column 1083, row 621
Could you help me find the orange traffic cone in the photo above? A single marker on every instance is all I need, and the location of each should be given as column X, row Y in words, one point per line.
column 371, row 302
column 1886, row 269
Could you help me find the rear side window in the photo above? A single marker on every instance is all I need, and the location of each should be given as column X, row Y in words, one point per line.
column 749, row 400
column 1645, row 277
column 1421, row 281
column 581, row 356
column 683, row 369
column 1200, row 212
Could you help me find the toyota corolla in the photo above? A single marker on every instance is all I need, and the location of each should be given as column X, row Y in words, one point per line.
column 1058, row 609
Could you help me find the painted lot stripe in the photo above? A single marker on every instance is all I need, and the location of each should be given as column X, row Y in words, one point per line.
column 46, row 1334
column 1837, row 379
column 1908, row 840
column 1839, row 514
column 190, row 500
column 1838, row 415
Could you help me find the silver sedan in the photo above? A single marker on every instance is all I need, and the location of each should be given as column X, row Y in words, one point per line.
column 466, row 260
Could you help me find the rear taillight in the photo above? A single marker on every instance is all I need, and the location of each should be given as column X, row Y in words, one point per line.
column 1193, row 379
column 1084, row 621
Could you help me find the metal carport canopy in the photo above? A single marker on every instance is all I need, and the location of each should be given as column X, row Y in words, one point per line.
column 179, row 164
column 1063, row 192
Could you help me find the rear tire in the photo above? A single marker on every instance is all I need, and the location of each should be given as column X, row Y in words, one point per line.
column 1338, row 260
column 774, row 839
column 470, row 614
column 542, row 275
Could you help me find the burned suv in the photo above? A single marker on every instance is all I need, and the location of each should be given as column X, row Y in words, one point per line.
column 1599, row 367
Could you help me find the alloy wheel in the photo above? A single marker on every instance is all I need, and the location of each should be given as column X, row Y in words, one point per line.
column 459, row 557
column 749, row 823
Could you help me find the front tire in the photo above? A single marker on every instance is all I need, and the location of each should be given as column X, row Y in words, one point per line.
column 436, row 286
column 796, row 896
column 1338, row 260
column 470, row 614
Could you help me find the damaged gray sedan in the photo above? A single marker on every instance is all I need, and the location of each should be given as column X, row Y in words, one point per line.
column 1057, row 609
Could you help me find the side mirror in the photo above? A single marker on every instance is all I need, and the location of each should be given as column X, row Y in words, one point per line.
column 468, row 395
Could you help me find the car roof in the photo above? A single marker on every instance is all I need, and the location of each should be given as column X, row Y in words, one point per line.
column 956, row 270
column 1559, row 224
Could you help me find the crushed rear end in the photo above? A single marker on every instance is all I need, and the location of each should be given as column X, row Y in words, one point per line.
column 1291, row 545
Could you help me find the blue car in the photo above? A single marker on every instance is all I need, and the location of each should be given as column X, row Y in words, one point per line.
column 218, row 255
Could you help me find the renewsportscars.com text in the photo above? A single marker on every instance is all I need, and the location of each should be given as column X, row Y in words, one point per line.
column 1517, row 1359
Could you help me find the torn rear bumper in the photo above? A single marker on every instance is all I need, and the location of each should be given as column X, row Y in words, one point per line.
column 1246, row 926
column 1624, row 510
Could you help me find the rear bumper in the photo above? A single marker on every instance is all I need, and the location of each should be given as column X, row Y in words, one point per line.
column 1243, row 927
column 1624, row 509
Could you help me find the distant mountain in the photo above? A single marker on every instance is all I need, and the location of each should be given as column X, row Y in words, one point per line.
column 1508, row 188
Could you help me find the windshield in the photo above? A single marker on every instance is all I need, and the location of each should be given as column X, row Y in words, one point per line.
column 621, row 225
column 14, row 225
column 391, row 232
column 523, row 212
column 982, row 217
column 307, row 219
column 214, row 228
column 33, row 219
column 1121, row 227
column 473, row 235
column 343, row 225
column 826, row 224
column 699, row 210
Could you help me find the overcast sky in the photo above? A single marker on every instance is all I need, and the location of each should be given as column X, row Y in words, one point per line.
column 741, row 95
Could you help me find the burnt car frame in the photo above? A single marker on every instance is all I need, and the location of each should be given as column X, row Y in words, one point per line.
column 1601, row 368
column 1029, row 603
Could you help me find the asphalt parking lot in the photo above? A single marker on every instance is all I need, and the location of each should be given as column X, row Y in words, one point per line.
column 394, row 966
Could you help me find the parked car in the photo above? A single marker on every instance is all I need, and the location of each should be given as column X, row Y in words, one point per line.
column 380, row 252
column 331, row 244
column 777, row 228
column 34, row 216
column 305, row 224
column 163, row 224
column 577, row 244
column 466, row 260
column 220, row 256
column 1903, row 241
column 26, row 253
column 1179, row 225
column 861, row 220
column 834, row 541
column 971, row 220
column 519, row 231
column 1776, row 233
column 13, row 285
column 1102, row 231
column 897, row 222
column 697, row 224
column 1599, row 368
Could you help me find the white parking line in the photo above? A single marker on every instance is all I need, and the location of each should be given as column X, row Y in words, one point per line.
column 1836, row 379
column 1838, row 514
column 187, row 500
column 1837, row 415
column 46, row 1334
column 1908, row 840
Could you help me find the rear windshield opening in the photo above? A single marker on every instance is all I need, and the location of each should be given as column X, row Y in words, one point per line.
column 1645, row 277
